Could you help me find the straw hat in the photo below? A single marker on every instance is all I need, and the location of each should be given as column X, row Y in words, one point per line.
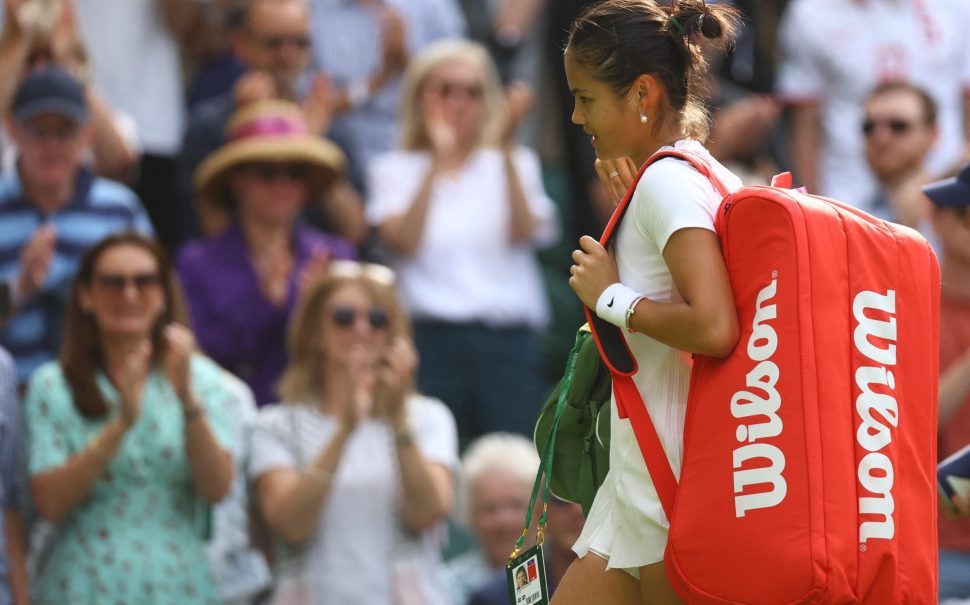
column 268, row 131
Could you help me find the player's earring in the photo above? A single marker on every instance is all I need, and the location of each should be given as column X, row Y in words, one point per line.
column 643, row 118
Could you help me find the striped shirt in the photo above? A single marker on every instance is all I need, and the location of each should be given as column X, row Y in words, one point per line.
column 98, row 208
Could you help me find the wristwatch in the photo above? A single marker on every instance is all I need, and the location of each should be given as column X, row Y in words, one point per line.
column 404, row 437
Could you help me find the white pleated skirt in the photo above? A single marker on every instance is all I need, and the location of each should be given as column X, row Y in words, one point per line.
column 626, row 524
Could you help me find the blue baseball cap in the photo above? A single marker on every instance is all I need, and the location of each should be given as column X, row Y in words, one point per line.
column 49, row 90
column 953, row 192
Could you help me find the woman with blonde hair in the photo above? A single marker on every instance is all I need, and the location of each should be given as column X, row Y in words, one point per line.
column 461, row 209
column 353, row 473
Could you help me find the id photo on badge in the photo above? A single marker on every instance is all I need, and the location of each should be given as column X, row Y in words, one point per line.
column 528, row 589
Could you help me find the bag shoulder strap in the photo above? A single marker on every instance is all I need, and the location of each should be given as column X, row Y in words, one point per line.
column 613, row 347
column 610, row 342
column 698, row 161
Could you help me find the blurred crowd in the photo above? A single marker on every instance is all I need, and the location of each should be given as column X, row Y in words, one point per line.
column 283, row 282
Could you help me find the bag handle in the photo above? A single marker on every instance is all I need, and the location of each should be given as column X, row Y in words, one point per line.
column 613, row 347
column 545, row 465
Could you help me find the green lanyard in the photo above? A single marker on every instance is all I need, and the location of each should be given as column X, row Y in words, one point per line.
column 545, row 469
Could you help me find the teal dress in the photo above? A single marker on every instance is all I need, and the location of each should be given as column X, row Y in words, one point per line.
column 139, row 536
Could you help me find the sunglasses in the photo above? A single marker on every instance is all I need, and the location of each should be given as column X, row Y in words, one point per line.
column 62, row 134
column 378, row 274
column 276, row 43
column 274, row 171
column 117, row 283
column 455, row 89
column 895, row 125
column 348, row 316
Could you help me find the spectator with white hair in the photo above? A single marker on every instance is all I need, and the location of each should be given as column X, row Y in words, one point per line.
column 498, row 470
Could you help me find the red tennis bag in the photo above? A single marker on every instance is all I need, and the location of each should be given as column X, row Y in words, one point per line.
column 809, row 453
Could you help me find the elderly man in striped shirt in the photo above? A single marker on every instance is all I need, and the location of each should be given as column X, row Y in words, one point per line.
column 51, row 210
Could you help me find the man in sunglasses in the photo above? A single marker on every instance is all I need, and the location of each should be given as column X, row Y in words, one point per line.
column 51, row 210
column 951, row 218
column 834, row 52
column 273, row 44
column 899, row 129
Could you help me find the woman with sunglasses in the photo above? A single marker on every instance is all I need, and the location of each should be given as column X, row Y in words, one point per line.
column 242, row 283
column 126, row 438
column 461, row 209
column 353, row 472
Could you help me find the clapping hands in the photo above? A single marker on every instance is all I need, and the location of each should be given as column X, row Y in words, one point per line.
column 35, row 261
column 381, row 385
column 179, row 346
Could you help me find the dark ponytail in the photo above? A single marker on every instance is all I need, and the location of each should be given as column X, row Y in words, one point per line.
column 620, row 40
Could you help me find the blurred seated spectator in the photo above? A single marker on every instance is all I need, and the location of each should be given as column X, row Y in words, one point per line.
column 273, row 44
column 13, row 545
column 354, row 472
column 52, row 209
column 126, row 438
column 241, row 571
column 32, row 39
column 498, row 471
column 461, row 210
column 565, row 523
column 899, row 127
column 363, row 46
column 951, row 218
column 242, row 284
column 217, row 68
column 136, row 49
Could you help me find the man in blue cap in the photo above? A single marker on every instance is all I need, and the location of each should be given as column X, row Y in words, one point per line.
column 51, row 210
column 951, row 219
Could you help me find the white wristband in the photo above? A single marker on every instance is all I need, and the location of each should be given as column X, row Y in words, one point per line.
column 616, row 303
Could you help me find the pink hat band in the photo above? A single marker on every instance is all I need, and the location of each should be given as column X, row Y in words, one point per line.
column 269, row 126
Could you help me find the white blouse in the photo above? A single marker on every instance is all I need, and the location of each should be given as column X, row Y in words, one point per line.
column 360, row 552
column 465, row 268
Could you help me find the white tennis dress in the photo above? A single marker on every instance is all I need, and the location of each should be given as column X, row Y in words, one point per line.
column 626, row 524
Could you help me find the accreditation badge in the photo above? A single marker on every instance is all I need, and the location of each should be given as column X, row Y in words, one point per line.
column 527, row 578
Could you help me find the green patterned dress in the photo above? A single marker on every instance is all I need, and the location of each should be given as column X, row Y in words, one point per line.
column 138, row 539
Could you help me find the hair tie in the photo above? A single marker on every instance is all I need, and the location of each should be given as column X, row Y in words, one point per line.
column 676, row 23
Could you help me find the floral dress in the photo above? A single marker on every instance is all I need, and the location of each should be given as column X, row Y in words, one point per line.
column 138, row 538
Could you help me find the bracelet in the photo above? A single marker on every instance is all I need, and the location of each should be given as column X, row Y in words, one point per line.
column 192, row 413
column 404, row 437
column 629, row 312
column 616, row 304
